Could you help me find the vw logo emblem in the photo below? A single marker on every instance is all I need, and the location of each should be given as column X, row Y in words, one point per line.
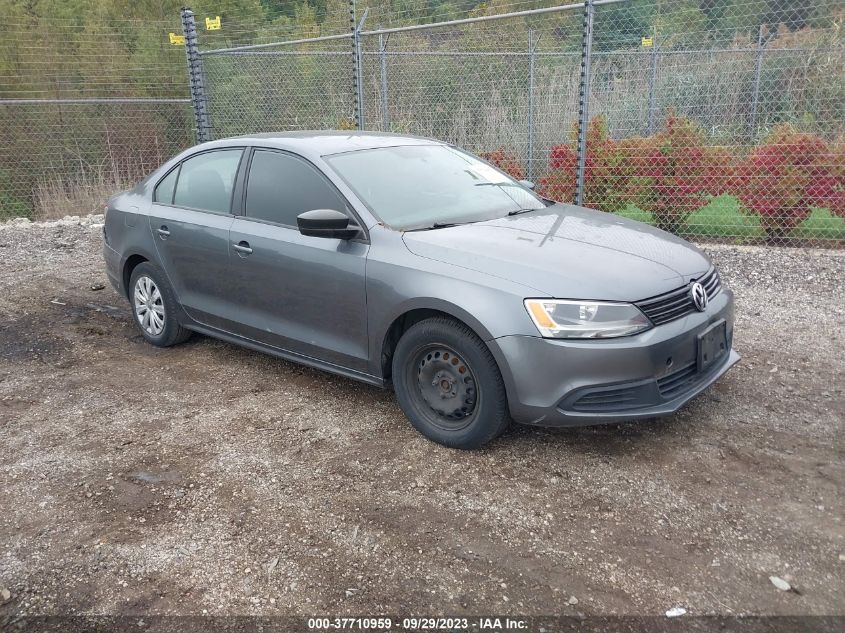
column 699, row 296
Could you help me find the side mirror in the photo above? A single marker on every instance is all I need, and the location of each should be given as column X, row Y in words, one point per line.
column 527, row 184
column 327, row 223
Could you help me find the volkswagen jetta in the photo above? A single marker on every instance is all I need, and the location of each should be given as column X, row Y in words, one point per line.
column 407, row 262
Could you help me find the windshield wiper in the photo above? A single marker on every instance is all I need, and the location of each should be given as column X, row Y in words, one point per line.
column 518, row 211
column 439, row 225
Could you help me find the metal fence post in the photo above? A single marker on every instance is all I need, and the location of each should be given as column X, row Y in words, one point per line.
column 584, row 99
column 360, row 85
column 195, row 77
column 652, row 83
column 357, row 64
column 755, row 98
column 353, row 25
column 532, row 42
column 382, row 56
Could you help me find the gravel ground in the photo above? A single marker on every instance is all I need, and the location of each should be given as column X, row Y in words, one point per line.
column 210, row 479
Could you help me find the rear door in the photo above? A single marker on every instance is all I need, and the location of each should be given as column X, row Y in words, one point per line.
column 190, row 221
column 302, row 294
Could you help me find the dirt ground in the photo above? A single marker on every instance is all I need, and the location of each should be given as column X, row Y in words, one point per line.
column 211, row 479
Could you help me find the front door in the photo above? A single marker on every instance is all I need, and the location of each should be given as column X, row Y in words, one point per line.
column 190, row 221
column 302, row 294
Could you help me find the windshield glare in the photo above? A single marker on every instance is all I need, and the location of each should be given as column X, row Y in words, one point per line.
column 417, row 186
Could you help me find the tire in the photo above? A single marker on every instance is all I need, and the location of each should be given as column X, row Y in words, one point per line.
column 154, row 307
column 449, row 385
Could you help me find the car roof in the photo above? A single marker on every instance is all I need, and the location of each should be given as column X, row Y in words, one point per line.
column 324, row 142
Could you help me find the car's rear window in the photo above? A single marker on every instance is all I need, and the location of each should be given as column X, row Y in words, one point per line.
column 206, row 181
column 166, row 187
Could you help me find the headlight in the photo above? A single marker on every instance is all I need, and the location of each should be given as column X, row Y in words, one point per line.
column 558, row 318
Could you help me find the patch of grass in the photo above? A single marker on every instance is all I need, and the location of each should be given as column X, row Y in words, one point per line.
column 821, row 225
column 54, row 199
column 723, row 218
column 635, row 213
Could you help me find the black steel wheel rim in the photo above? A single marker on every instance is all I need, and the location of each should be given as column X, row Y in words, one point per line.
column 447, row 386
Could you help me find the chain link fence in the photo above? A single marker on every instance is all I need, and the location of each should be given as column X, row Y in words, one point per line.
column 714, row 120
column 245, row 90
column 86, row 111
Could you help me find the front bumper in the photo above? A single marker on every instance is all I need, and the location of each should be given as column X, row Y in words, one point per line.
column 553, row 382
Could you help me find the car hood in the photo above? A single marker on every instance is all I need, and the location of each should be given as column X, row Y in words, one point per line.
column 565, row 251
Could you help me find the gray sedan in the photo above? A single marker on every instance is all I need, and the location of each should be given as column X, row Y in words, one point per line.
column 407, row 262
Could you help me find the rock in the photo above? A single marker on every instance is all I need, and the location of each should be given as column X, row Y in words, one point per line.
column 272, row 566
column 842, row 557
column 780, row 583
column 97, row 286
column 572, row 600
column 5, row 595
column 676, row 612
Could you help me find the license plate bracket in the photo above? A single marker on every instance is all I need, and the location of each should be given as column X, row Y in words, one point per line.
column 712, row 345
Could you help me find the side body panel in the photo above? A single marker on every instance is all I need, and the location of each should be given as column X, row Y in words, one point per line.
column 193, row 248
column 126, row 232
column 303, row 294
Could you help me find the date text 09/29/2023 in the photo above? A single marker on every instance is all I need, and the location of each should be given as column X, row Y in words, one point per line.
column 453, row 624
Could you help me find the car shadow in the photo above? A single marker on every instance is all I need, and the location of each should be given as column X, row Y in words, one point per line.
column 611, row 439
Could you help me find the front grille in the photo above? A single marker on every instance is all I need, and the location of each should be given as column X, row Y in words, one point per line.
column 678, row 381
column 678, row 303
column 624, row 397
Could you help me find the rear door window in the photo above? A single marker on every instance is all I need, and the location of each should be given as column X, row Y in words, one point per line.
column 164, row 189
column 281, row 186
column 206, row 181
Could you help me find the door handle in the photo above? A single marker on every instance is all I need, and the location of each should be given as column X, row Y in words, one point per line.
column 163, row 232
column 242, row 248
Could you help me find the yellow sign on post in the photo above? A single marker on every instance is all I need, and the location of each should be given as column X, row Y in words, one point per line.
column 648, row 42
column 177, row 39
column 212, row 24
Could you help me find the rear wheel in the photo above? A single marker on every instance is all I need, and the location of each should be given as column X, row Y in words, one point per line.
column 154, row 307
column 448, row 384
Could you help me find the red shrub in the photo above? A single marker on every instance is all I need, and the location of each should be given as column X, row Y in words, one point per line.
column 559, row 183
column 827, row 190
column 788, row 175
column 675, row 172
column 670, row 174
column 505, row 161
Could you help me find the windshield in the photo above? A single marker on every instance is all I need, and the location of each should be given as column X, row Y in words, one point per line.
column 421, row 186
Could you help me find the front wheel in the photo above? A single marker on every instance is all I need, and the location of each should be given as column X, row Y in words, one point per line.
column 448, row 384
